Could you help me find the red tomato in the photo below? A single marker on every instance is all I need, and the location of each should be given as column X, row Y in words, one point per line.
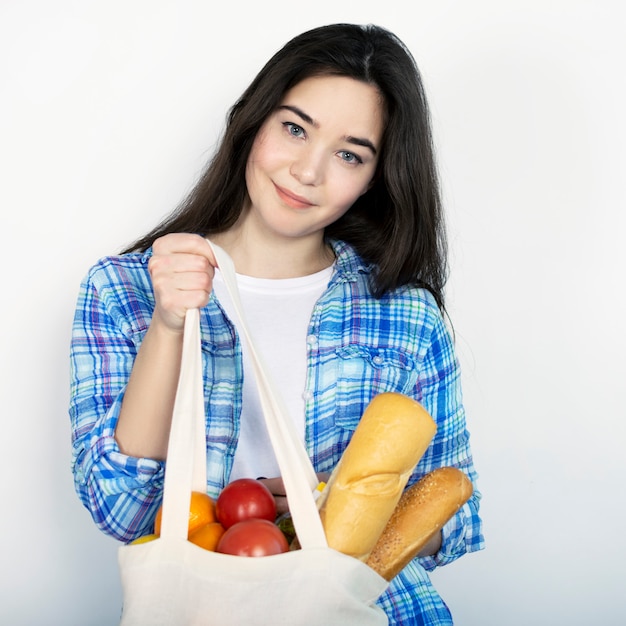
column 253, row 537
column 244, row 499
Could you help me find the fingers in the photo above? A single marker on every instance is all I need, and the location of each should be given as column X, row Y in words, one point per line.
column 275, row 485
column 323, row 476
column 184, row 243
column 277, row 488
column 182, row 267
column 282, row 506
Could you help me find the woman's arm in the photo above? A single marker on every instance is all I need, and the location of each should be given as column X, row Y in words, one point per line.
column 181, row 270
column 144, row 421
column 440, row 393
column 116, row 338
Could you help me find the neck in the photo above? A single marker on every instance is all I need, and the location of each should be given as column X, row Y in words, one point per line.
column 275, row 257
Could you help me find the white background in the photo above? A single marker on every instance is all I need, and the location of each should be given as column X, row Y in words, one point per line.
column 108, row 111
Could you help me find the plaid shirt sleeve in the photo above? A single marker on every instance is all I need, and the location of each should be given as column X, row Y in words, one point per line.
column 122, row 493
column 411, row 597
column 439, row 390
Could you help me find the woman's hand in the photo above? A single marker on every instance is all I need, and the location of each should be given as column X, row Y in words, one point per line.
column 276, row 486
column 182, row 267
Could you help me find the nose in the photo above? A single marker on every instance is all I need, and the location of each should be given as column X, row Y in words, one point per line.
column 308, row 167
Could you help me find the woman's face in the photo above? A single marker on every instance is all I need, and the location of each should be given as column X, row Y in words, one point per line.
column 314, row 156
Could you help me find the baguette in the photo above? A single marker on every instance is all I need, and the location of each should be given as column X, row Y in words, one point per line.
column 422, row 511
column 372, row 473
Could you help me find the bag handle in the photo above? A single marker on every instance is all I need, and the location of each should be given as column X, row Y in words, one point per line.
column 185, row 471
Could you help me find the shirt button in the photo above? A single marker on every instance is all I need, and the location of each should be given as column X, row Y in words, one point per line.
column 378, row 360
column 307, row 395
column 311, row 340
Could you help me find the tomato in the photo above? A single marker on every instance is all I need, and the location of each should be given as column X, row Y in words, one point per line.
column 242, row 499
column 253, row 537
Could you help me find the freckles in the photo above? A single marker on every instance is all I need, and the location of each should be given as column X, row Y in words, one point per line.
column 263, row 149
column 258, row 146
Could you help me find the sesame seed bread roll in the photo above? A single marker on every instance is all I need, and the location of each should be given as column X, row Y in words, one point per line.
column 422, row 511
column 365, row 486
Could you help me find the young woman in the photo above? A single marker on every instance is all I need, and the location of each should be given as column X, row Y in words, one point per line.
column 324, row 192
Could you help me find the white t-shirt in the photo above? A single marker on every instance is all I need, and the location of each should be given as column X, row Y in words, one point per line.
column 278, row 313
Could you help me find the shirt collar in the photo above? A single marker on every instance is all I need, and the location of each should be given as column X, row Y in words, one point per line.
column 348, row 263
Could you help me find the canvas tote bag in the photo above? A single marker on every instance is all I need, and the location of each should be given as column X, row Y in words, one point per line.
column 170, row 581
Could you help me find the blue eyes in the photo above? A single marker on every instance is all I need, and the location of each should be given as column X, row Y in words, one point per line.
column 349, row 157
column 297, row 131
column 294, row 129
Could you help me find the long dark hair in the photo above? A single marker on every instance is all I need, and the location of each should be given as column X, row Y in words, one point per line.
column 398, row 224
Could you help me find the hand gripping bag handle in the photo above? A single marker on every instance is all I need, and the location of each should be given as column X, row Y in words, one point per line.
column 186, row 472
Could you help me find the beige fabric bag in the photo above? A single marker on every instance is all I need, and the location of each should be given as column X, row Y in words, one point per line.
column 170, row 581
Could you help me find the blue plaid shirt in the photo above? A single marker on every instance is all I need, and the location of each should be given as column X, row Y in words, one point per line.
column 358, row 346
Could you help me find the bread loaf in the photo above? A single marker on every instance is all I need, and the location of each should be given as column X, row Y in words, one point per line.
column 363, row 490
column 422, row 511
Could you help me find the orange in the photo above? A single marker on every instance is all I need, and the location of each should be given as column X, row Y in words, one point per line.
column 144, row 539
column 207, row 536
column 201, row 512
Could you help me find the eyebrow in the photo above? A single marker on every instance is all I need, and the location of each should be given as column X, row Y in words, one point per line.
column 358, row 141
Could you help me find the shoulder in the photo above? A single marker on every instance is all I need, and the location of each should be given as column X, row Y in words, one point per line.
column 410, row 302
column 119, row 270
column 120, row 286
column 419, row 301
column 351, row 266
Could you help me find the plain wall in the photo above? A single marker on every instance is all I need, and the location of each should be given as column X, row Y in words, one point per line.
column 108, row 111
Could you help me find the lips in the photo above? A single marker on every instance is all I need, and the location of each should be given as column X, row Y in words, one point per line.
column 291, row 199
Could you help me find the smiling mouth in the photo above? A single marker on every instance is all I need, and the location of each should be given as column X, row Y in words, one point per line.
column 291, row 199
